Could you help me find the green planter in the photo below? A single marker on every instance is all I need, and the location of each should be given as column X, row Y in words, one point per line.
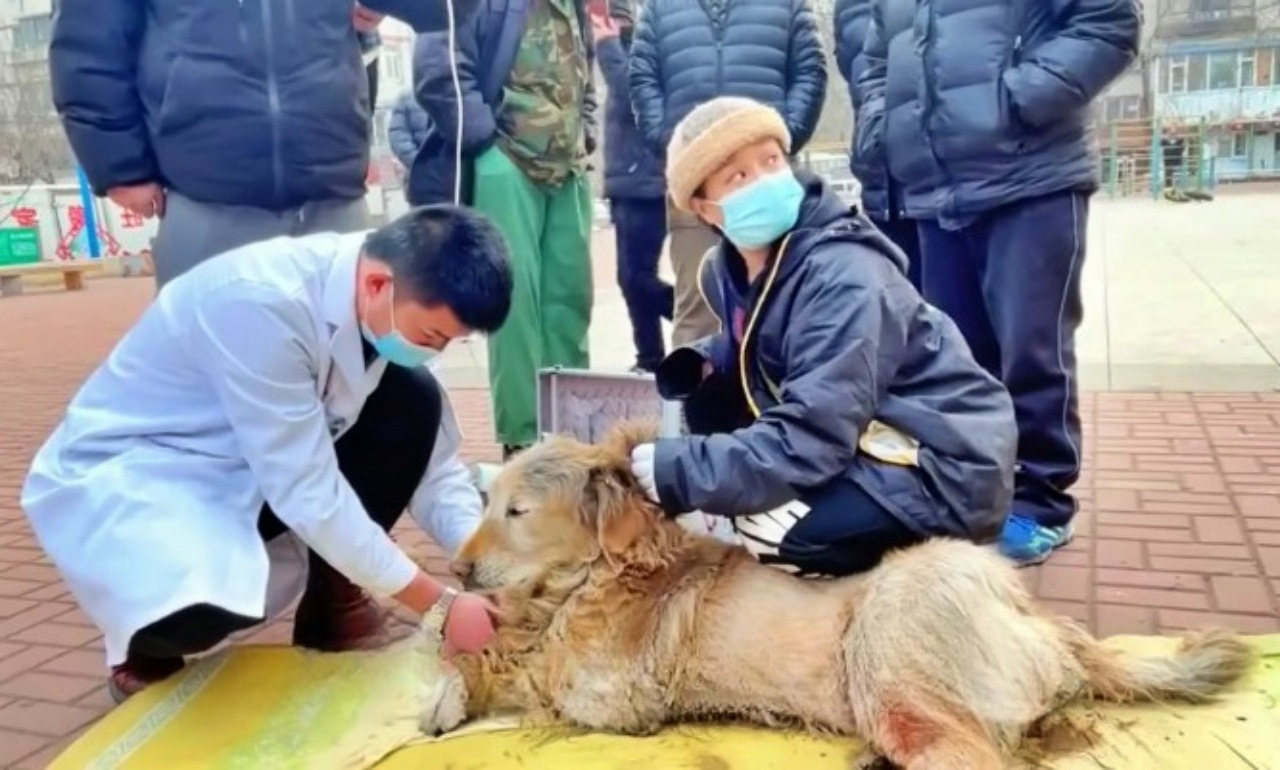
column 19, row 246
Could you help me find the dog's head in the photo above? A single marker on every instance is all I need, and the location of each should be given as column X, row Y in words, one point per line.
column 561, row 505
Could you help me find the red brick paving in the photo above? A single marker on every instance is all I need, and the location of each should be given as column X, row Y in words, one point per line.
column 1180, row 524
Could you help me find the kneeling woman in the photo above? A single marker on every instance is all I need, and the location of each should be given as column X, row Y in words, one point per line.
column 836, row 416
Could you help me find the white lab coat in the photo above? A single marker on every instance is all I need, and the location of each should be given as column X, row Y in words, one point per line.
column 226, row 394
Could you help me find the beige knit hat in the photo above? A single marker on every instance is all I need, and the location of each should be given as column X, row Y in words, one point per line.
column 710, row 134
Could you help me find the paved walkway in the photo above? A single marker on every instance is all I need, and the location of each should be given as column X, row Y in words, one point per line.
column 1181, row 494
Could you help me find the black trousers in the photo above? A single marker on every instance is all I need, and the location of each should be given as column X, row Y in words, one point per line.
column 383, row 457
column 1011, row 282
column 640, row 226
column 905, row 235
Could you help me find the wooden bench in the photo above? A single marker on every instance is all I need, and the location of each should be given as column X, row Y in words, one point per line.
column 72, row 274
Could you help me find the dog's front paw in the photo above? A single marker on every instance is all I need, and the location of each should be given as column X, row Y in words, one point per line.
column 445, row 705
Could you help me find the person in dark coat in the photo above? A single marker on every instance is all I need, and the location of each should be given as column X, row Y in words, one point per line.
column 838, row 415
column 983, row 115
column 881, row 194
column 688, row 51
column 282, row 150
column 636, row 189
column 526, row 70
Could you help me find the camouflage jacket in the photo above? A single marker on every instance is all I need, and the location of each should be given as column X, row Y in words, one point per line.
column 542, row 121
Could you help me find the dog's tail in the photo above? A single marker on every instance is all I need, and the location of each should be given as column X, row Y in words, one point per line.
column 1205, row 664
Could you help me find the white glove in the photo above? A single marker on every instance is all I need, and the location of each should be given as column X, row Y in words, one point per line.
column 642, row 467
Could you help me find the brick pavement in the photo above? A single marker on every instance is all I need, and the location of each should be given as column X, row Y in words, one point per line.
column 1181, row 520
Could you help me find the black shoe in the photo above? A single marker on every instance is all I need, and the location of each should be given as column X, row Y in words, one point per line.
column 511, row 450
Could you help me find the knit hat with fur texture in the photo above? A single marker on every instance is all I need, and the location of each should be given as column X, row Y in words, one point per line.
column 710, row 134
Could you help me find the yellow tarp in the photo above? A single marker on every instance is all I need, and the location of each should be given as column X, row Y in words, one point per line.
column 277, row 708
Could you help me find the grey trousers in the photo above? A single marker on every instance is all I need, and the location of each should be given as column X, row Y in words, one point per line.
column 190, row 231
column 690, row 241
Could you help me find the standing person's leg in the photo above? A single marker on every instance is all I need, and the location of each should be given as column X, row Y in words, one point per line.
column 689, row 242
column 518, row 208
column 190, row 232
column 640, row 227
column 1036, row 252
column 332, row 216
column 384, row 457
column 567, row 289
column 951, row 271
column 905, row 235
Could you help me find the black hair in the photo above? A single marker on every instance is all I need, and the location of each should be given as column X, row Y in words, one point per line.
column 452, row 256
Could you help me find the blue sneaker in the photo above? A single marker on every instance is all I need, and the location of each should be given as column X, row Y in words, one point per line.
column 1028, row 543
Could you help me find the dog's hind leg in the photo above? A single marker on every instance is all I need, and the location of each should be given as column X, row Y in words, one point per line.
column 926, row 736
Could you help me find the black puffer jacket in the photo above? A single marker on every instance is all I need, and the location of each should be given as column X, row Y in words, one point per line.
column 687, row 52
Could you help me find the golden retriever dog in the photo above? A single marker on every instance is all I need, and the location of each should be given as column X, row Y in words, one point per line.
column 617, row 619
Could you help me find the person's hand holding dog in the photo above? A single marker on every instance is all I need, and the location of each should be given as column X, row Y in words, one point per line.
column 469, row 625
column 642, row 467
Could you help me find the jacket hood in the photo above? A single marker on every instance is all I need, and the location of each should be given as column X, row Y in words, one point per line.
column 827, row 218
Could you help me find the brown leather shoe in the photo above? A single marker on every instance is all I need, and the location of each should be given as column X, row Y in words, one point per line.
column 139, row 672
column 335, row 615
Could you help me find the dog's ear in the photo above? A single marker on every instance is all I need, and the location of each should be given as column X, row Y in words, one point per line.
column 614, row 508
column 626, row 435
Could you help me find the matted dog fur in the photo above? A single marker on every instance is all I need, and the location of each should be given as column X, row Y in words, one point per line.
column 617, row 619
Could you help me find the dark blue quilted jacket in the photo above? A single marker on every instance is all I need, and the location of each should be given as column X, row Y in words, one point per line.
column 687, row 52
column 977, row 103
column 262, row 104
column 881, row 198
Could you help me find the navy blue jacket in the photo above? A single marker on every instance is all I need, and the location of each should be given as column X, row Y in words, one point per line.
column 486, row 50
column 840, row 338
column 881, row 197
column 406, row 128
column 977, row 103
column 767, row 50
column 631, row 169
column 262, row 104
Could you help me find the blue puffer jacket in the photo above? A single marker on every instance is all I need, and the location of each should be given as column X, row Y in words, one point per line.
column 406, row 128
column 880, row 197
column 134, row 82
column 685, row 53
column 487, row 44
column 978, row 103
column 631, row 169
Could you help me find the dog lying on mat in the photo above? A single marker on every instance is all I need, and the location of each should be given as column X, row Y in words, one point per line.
column 617, row 619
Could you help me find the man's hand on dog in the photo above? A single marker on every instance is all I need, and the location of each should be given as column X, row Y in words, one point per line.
column 469, row 625
column 642, row 467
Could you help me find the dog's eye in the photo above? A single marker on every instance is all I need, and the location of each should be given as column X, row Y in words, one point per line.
column 513, row 512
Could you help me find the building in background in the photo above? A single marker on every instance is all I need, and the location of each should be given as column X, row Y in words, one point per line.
column 33, row 148
column 1215, row 75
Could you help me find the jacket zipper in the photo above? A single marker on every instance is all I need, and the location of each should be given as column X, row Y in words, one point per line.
column 929, row 62
column 273, row 100
column 243, row 27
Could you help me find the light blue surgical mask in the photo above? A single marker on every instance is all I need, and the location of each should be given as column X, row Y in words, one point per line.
column 394, row 347
column 763, row 211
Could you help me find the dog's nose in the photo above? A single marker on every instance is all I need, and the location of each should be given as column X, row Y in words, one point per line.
column 462, row 569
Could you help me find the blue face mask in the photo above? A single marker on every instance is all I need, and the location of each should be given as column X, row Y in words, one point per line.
column 763, row 211
column 394, row 347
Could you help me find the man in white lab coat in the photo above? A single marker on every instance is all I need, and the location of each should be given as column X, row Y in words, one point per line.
column 265, row 423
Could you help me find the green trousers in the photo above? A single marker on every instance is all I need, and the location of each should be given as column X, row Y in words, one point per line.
column 548, row 232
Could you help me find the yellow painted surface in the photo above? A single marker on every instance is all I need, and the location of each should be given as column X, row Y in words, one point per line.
column 277, row 708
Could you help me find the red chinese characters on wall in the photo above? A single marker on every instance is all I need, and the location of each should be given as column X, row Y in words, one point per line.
column 25, row 216
column 75, row 220
column 129, row 219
